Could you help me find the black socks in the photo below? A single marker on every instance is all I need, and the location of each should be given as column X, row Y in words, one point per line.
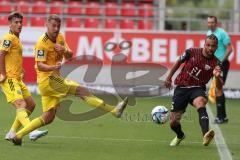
column 203, row 120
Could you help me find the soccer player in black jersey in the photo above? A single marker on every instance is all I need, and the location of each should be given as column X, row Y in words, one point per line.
column 200, row 65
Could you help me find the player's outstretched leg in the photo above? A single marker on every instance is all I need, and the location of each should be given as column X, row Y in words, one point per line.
column 99, row 103
column 120, row 108
column 92, row 100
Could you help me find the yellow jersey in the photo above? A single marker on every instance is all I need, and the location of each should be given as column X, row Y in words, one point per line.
column 13, row 59
column 45, row 52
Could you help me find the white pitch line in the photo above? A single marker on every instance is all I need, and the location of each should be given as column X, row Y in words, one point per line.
column 222, row 147
column 124, row 139
column 118, row 139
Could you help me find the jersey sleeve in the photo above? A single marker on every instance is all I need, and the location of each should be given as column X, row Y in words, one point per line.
column 40, row 53
column 6, row 43
column 185, row 56
column 226, row 38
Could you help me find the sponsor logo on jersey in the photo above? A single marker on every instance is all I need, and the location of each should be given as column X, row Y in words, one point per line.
column 6, row 43
column 40, row 54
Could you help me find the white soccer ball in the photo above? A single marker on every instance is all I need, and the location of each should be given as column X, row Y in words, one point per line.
column 160, row 114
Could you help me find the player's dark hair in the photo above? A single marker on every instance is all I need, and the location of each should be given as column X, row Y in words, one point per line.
column 214, row 17
column 54, row 17
column 213, row 37
column 15, row 15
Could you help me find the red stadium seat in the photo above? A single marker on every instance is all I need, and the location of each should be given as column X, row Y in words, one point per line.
column 5, row 6
column 23, row 6
column 3, row 20
column 127, row 24
column 110, row 23
column 74, row 7
column 145, row 10
column 111, row 9
column 91, row 23
column 39, row 7
column 128, row 9
column 37, row 21
column 92, row 8
column 145, row 24
column 24, row 22
column 73, row 22
column 56, row 7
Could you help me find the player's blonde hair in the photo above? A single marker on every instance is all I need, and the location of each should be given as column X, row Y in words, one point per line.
column 54, row 17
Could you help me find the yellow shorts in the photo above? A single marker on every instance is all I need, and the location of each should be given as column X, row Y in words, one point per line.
column 14, row 89
column 53, row 88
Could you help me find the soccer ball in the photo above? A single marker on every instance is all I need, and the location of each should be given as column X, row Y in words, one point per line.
column 160, row 114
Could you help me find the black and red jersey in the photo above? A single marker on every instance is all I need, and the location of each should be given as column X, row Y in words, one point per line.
column 197, row 70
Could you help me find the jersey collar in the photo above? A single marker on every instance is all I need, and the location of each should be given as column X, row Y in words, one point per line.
column 49, row 38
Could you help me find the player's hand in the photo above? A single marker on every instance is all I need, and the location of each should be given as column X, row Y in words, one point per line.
column 217, row 71
column 168, row 83
column 59, row 48
column 2, row 77
column 58, row 66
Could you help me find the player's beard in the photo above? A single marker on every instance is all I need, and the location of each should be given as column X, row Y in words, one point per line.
column 210, row 54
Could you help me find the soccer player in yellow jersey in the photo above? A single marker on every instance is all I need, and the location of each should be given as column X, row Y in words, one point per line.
column 11, row 80
column 50, row 50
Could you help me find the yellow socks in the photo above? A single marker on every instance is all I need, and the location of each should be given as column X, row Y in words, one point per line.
column 16, row 124
column 99, row 103
column 22, row 116
column 34, row 124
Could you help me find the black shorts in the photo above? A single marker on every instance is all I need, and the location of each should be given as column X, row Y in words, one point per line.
column 182, row 96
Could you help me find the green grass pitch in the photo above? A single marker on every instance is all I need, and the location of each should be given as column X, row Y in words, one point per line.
column 132, row 137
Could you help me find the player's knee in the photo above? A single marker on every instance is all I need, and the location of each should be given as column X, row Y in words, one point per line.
column 48, row 116
column 200, row 102
column 20, row 103
column 49, row 119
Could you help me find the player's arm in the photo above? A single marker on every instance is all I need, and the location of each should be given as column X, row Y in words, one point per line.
column 182, row 59
column 68, row 54
column 228, row 52
column 63, row 48
column 2, row 66
column 4, row 49
column 227, row 44
column 46, row 68
column 217, row 74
